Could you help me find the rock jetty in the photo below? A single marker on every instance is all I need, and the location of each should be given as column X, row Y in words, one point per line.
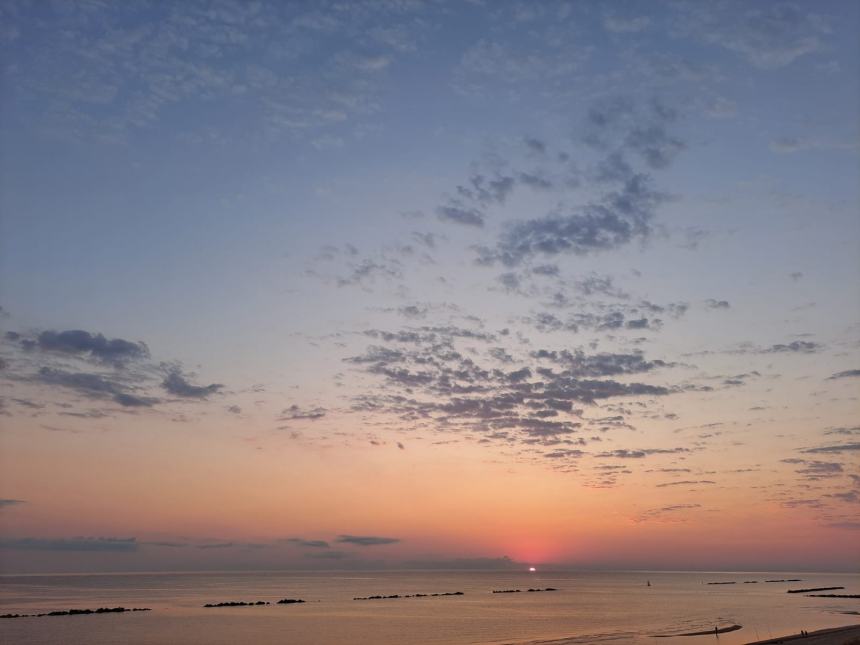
column 814, row 589
column 78, row 612
column 414, row 595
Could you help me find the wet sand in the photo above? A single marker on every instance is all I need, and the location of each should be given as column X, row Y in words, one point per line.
column 835, row 636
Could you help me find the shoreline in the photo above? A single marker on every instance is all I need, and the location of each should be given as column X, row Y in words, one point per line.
column 831, row 636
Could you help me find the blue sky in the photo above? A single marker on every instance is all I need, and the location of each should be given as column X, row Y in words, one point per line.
column 270, row 196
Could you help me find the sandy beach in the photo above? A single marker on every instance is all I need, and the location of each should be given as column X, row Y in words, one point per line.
column 835, row 636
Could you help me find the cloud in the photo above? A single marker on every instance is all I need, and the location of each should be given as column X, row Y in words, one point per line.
column 625, row 24
column 430, row 240
column 535, row 145
column 109, row 370
column 693, row 236
column 846, row 447
column 600, row 315
column 851, row 496
column 216, row 545
column 510, row 281
column 517, row 63
column 769, row 35
column 625, row 202
column 117, row 71
column 845, row 374
column 368, row 270
column 5, row 503
column 620, row 217
column 27, row 403
column 366, row 540
column 427, row 379
column 132, row 401
column 230, row 545
column 655, row 145
column 313, row 544
column 294, row 412
column 797, row 346
column 595, row 284
column 84, row 382
column 802, row 503
column 623, row 453
column 710, row 303
column 111, row 544
column 177, row 384
column 483, row 189
column 794, row 347
column 686, row 483
column 814, row 470
column 844, row 431
column 93, row 385
column 564, row 454
column 204, row 544
column 486, row 190
column 662, row 513
column 84, row 343
column 850, row 526
column 578, row 364
column 461, row 215
column 371, row 63
column 789, row 145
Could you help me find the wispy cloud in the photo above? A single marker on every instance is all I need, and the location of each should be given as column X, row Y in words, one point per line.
column 177, row 384
column 845, row 374
column 313, row 544
column 366, row 540
column 846, row 447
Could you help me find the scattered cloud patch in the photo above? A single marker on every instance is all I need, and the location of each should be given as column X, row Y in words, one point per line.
column 768, row 35
column 688, row 482
column 296, row 413
column 666, row 513
column 623, row 453
column 849, row 526
column 313, row 544
column 177, row 384
column 84, row 343
column 845, row 374
column 95, row 386
column 846, row 447
column 366, row 540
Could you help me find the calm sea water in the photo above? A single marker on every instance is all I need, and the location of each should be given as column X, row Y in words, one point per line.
column 587, row 608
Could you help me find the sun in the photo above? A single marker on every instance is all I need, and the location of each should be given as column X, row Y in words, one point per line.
column 532, row 569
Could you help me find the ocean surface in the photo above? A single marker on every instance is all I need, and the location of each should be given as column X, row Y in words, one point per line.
column 587, row 608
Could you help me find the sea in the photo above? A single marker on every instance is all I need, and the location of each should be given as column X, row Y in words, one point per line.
column 588, row 607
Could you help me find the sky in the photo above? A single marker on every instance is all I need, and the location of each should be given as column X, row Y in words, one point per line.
column 417, row 283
